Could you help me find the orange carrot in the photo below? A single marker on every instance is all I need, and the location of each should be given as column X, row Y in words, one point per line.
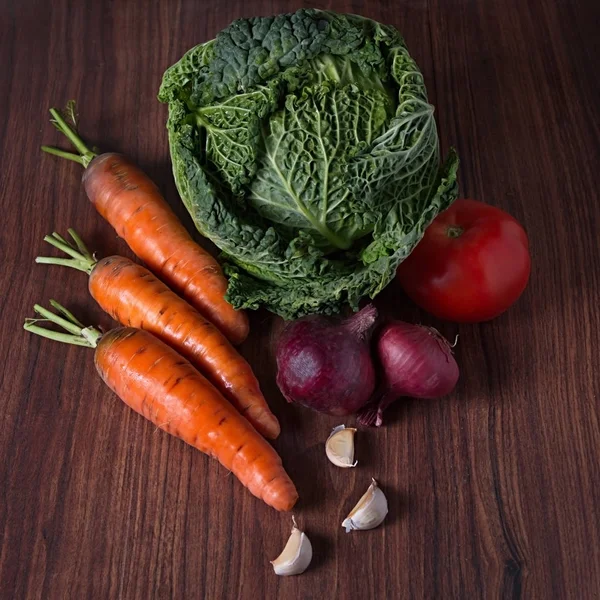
column 155, row 381
column 130, row 294
column 128, row 199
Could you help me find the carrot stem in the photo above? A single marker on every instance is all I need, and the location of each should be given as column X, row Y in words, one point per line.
column 71, row 134
column 63, row 154
column 60, row 238
column 63, row 262
column 62, row 244
column 67, row 313
column 77, row 333
column 81, row 258
column 65, row 338
column 85, row 156
column 67, row 325
column 80, row 244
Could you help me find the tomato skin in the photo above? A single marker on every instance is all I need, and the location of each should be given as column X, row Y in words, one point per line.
column 471, row 265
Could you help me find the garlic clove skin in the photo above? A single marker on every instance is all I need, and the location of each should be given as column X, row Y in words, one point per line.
column 296, row 555
column 339, row 447
column 369, row 512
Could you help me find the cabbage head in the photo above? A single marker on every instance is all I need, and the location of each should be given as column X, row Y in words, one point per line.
column 304, row 147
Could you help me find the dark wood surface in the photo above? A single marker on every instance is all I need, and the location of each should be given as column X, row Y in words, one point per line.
column 493, row 492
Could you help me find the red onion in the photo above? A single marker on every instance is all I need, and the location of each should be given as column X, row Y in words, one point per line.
column 415, row 361
column 326, row 364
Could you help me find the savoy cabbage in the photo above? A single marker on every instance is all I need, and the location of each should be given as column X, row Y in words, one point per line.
column 304, row 147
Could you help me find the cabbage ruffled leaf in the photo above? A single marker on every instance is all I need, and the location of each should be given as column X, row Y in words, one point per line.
column 304, row 147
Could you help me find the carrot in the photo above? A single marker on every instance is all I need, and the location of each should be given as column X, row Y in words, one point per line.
column 130, row 294
column 155, row 381
column 128, row 199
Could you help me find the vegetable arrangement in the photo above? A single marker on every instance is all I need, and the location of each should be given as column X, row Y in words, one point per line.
column 304, row 147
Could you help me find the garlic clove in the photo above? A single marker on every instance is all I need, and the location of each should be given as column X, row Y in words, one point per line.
column 339, row 447
column 296, row 555
column 369, row 512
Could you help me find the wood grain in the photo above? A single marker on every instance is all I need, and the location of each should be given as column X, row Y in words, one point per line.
column 493, row 492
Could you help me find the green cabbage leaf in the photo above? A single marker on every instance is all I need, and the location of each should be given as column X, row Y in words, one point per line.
column 304, row 147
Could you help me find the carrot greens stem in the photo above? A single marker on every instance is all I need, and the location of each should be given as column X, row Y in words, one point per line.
column 81, row 258
column 63, row 262
column 77, row 333
column 62, row 244
column 63, row 154
column 65, row 338
column 67, row 314
column 60, row 238
column 80, row 244
column 66, row 324
column 85, row 155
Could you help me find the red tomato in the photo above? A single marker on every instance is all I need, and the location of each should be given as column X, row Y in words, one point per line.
column 471, row 265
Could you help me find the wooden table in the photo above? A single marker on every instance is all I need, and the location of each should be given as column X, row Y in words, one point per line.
column 493, row 492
